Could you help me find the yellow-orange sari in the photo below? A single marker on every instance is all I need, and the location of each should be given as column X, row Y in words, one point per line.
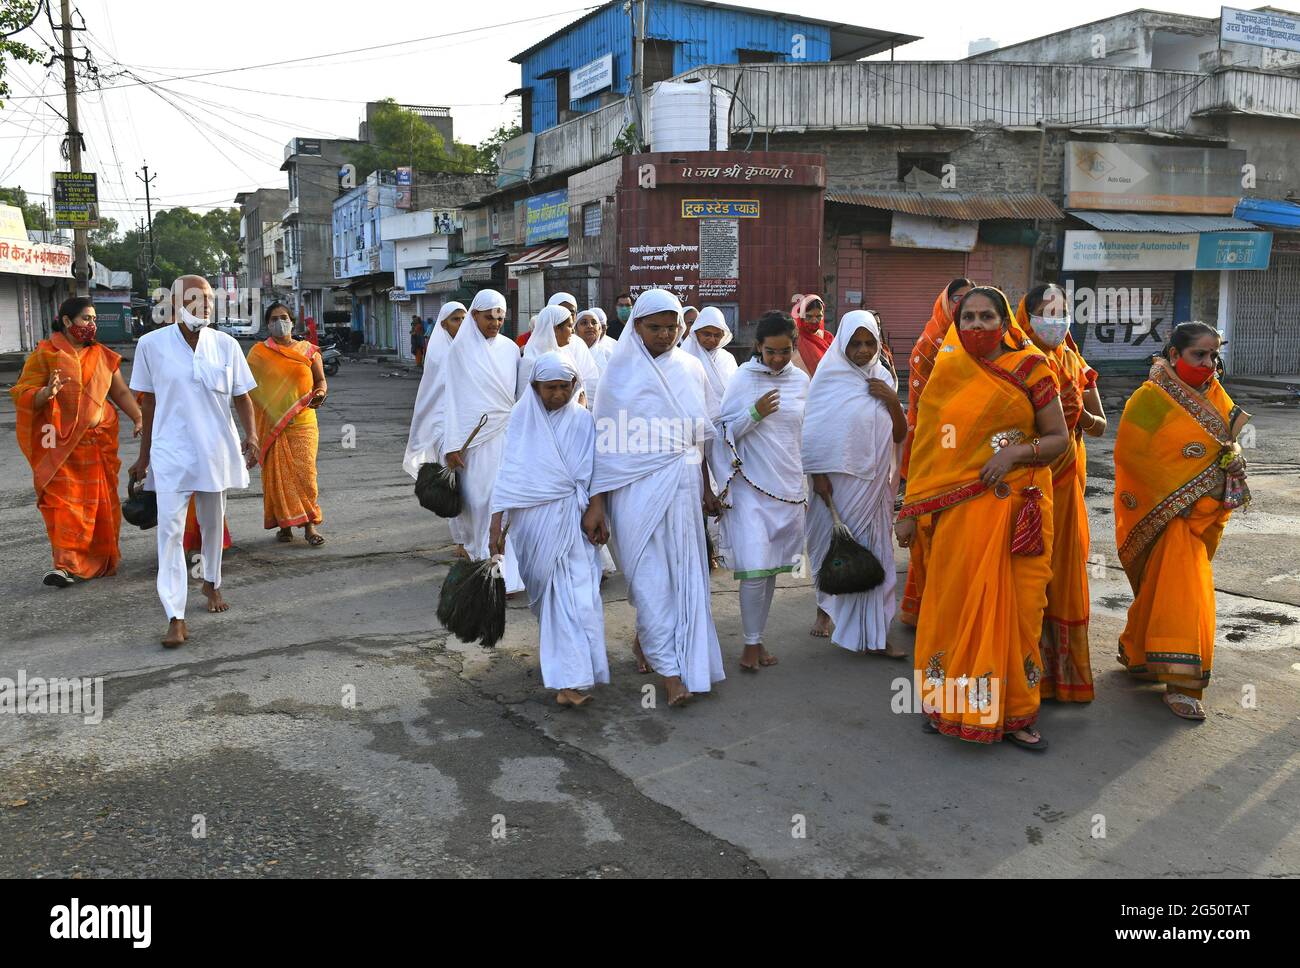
column 1067, row 667
column 1169, row 517
column 982, row 612
column 71, row 444
column 287, row 429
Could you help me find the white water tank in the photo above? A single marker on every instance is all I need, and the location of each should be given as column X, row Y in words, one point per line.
column 683, row 114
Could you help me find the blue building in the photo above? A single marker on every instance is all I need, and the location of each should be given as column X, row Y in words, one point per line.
column 589, row 62
column 363, row 261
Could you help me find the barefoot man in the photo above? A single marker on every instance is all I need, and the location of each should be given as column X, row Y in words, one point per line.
column 191, row 377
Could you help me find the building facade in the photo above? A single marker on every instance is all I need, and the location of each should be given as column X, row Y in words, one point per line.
column 258, row 211
column 363, row 261
column 312, row 166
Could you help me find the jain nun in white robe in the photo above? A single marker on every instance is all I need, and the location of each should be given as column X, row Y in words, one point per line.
column 654, row 417
column 543, row 340
column 479, row 382
column 544, row 487
column 604, row 347
column 849, row 436
column 719, row 366
column 424, row 445
column 763, row 524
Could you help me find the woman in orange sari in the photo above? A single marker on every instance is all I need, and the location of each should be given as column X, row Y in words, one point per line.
column 290, row 386
column 919, row 365
column 1179, row 474
column 989, row 423
column 1067, row 668
column 68, row 433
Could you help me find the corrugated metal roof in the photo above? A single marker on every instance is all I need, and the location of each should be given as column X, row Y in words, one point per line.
column 967, row 207
column 1172, row 224
column 1266, row 211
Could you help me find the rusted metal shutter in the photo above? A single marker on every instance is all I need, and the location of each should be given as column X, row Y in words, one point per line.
column 1114, row 325
column 900, row 287
column 1265, row 327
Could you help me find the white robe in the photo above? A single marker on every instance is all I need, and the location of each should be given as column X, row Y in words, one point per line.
column 542, row 340
column 543, row 488
column 479, row 381
column 194, row 446
column 848, row 436
column 654, row 502
column 764, row 531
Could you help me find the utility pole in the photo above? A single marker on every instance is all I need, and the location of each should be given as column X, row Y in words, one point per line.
column 81, row 248
column 148, row 210
column 638, row 65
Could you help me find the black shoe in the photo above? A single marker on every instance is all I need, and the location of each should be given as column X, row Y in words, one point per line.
column 58, row 578
column 927, row 724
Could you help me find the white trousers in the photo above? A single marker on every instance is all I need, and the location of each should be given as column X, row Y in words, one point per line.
column 755, row 603
column 173, row 569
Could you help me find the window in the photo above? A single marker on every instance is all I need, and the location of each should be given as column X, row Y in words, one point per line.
column 526, row 110
column 658, row 64
column 293, row 183
column 748, row 56
column 930, row 163
column 591, row 219
column 561, row 93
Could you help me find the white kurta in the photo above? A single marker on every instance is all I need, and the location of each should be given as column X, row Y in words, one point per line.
column 543, row 489
column 848, row 436
column 654, row 501
column 764, row 531
column 194, row 446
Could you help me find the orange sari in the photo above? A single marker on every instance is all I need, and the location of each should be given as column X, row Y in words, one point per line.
column 1169, row 517
column 920, row 364
column 982, row 614
column 1067, row 667
column 71, row 444
column 287, row 429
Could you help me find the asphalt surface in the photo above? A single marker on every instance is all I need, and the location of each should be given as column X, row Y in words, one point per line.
column 242, row 753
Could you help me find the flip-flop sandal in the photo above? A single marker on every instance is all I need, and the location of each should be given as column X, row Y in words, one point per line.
column 284, row 536
column 1037, row 747
column 315, row 540
column 1185, row 707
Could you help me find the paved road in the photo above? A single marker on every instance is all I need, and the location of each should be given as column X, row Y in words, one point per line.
column 454, row 761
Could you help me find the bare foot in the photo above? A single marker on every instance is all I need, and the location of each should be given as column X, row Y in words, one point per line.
column 215, row 602
column 642, row 666
column 572, row 697
column 751, row 658
column 822, row 627
column 678, row 694
column 458, row 551
column 766, row 658
column 176, row 633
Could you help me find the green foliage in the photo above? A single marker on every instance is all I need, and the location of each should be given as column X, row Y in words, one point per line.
column 15, row 15
column 33, row 212
column 184, row 242
column 490, row 149
column 399, row 137
column 628, row 143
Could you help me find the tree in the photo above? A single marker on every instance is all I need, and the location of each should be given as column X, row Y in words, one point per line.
column 34, row 213
column 489, row 150
column 15, row 16
column 184, row 242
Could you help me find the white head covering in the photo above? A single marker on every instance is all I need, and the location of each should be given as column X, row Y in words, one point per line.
column 543, row 341
column 600, row 317
column 637, row 385
column 479, row 380
column 719, row 365
column 424, row 445
column 846, row 430
column 554, row 366
column 562, row 297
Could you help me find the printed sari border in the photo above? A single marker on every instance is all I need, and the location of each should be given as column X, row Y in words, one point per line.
column 1146, row 531
column 942, row 502
column 284, row 422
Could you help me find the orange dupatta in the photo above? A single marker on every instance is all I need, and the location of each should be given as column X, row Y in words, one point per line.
column 80, row 405
column 284, row 387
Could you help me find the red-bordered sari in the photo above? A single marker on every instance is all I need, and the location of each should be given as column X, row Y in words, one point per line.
column 287, row 429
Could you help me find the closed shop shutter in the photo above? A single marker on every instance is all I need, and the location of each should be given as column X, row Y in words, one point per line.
column 10, row 321
column 900, row 288
column 1265, row 327
column 1117, row 330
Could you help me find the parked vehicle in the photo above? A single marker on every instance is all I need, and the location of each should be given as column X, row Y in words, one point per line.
column 330, row 356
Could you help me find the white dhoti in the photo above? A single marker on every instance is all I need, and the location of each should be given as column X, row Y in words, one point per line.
column 668, row 577
column 867, row 510
column 474, row 523
column 567, row 605
column 173, row 569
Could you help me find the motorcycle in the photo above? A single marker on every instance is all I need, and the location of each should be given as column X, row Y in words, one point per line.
column 330, row 356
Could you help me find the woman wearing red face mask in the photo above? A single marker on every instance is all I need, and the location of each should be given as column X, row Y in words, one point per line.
column 987, row 428
column 809, row 314
column 67, row 430
column 1179, row 474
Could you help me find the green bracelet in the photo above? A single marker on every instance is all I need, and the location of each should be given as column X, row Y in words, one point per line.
column 755, row 415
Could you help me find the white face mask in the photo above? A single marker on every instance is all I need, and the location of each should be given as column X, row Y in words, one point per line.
column 193, row 322
column 281, row 328
column 1051, row 330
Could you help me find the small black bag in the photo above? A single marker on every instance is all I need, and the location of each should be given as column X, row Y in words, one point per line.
column 848, row 568
column 140, row 507
column 437, row 488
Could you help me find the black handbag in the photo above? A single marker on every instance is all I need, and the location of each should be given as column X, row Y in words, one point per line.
column 140, row 507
